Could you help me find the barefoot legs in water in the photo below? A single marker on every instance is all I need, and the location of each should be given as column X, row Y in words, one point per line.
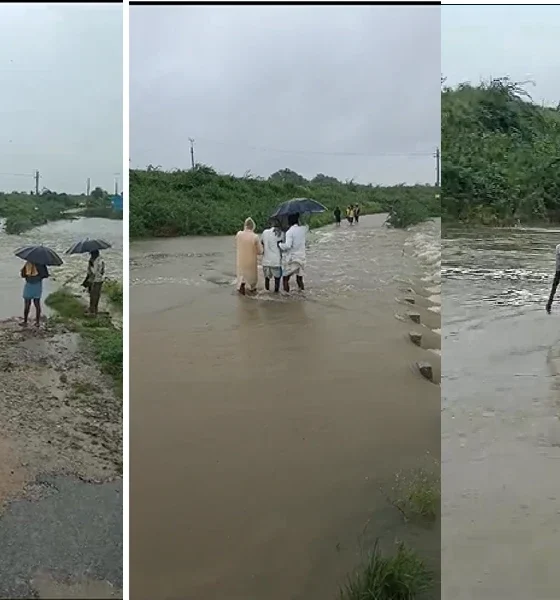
column 242, row 289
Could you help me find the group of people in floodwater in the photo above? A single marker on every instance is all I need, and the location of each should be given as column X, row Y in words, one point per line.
column 282, row 248
column 352, row 214
column 35, row 274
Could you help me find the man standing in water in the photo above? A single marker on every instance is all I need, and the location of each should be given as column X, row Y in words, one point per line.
column 337, row 216
column 272, row 257
column 294, row 248
column 555, row 281
column 357, row 213
column 248, row 250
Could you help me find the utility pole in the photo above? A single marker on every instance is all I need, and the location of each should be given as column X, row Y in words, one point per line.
column 117, row 175
column 88, row 186
column 191, row 140
column 37, row 177
column 437, row 157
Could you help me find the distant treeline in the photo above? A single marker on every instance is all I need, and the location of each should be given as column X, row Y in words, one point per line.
column 203, row 202
column 24, row 211
column 500, row 155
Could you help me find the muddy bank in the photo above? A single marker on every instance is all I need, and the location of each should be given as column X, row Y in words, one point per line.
column 61, row 467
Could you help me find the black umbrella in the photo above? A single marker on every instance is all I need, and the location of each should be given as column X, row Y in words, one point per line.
column 87, row 245
column 298, row 205
column 39, row 255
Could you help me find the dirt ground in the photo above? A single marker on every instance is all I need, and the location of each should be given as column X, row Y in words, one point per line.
column 58, row 412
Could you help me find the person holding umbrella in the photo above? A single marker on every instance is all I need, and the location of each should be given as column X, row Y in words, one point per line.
column 95, row 275
column 294, row 249
column 34, row 271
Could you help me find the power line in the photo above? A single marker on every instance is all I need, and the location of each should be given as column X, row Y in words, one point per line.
column 320, row 152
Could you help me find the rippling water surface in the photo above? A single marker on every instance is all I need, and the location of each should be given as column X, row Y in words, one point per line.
column 261, row 427
column 501, row 435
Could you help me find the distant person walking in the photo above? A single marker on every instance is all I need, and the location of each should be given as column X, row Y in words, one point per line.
column 554, row 282
column 294, row 249
column 248, row 250
column 350, row 214
column 337, row 216
column 272, row 256
column 33, row 290
column 94, row 280
column 357, row 213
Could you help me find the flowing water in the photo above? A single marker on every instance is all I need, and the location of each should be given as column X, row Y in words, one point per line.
column 501, row 434
column 262, row 427
column 58, row 235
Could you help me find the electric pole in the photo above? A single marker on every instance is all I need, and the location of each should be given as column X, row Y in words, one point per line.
column 37, row 177
column 117, row 175
column 437, row 157
column 191, row 140
column 88, row 186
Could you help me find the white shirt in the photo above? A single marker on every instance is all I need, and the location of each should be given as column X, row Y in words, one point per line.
column 294, row 247
column 98, row 270
column 271, row 252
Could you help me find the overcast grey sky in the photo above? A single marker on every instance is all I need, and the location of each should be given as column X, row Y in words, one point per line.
column 312, row 79
column 61, row 95
column 479, row 42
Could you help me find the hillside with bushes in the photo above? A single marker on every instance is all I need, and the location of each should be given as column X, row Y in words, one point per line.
column 203, row 202
column 500, row 155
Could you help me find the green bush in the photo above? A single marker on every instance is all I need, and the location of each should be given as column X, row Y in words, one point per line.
column 500, row 155
column 203, row 202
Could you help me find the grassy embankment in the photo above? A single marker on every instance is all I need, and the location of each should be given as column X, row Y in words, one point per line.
column 25, row 211
column 500, row 156
column 203, row 202
column 403, row 575
column 105, row 340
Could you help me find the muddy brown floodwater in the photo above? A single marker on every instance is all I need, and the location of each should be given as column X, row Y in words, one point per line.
column 261, row 428
column 500, row 427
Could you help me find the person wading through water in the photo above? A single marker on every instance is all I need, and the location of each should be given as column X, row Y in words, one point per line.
column 294, row 249
column 248, row 250
column 272, row 257
column 337, row 216
column 94, row 281
column 33, row 290
column 554, row 282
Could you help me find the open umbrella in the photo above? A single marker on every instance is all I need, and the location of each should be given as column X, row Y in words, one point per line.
column 87, row 245
column 298, row 205
column 39, row 255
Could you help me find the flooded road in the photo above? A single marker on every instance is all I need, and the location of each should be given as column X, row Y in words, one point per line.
column 500, row 428
column 262, row 427
column 59, row 235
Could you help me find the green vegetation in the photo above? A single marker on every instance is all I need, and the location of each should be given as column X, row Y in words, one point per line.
column 24, row 211
column 102, row 337
column 114, row 291
column 203, row 202
column 500, row 155
column 403, row 576
column 417, row 493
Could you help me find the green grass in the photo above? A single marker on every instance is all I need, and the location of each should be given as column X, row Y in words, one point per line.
column 114, row 291
column 402, row 576
column 103, row 338
column 417, row 493
column 203, row 202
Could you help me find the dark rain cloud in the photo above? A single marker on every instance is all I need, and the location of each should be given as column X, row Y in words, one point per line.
column 61, row 101
column 262, row 88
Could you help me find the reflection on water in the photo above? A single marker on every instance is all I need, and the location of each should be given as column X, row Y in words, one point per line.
column 500, row 417
column 261, row 427
column 59, row 235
